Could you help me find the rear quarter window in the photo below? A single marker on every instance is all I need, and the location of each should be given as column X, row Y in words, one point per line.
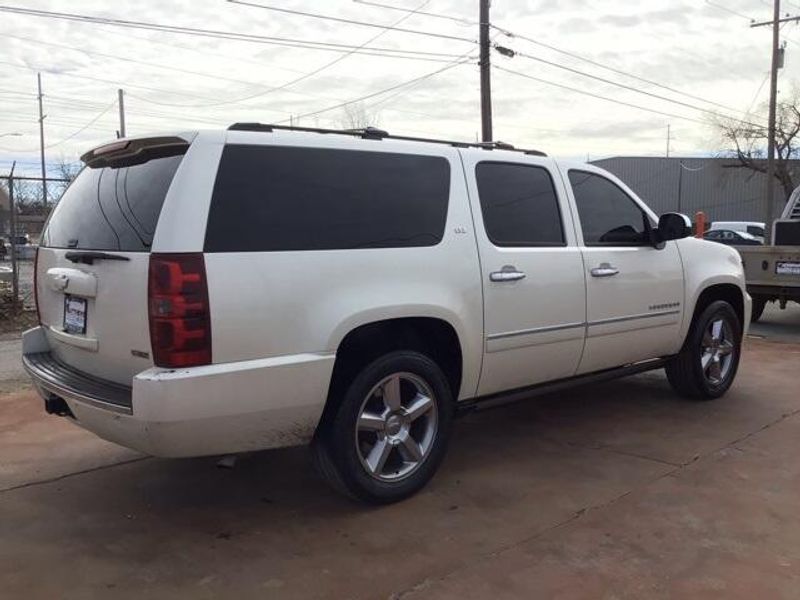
column 272, row 198
column 112, row 208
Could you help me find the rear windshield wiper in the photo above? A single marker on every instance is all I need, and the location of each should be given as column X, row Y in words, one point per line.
column 88, row 258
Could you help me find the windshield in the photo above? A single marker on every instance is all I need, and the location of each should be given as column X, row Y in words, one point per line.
column 112, row 208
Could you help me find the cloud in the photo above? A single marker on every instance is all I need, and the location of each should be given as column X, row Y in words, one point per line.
column 178, row 82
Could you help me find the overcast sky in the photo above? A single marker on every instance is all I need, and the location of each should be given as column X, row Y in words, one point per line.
column 178, row 82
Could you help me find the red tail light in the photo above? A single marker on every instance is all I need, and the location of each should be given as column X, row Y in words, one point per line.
column 36, row 285
column 180, row 319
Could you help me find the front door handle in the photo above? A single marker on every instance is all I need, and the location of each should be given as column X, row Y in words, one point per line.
column 604, row 270
column 507, row 273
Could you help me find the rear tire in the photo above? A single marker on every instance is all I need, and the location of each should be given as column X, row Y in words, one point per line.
column 759, row 304
column 707, row 364
column 389, row 431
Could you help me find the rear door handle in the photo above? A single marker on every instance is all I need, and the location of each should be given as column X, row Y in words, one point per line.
column 604, row 270
column 507, row 273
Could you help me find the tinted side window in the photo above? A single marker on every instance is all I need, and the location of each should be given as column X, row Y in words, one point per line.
column 519, row 205
column 755, row 230
column 112, row 208
column 270, row 198
column 609, row 217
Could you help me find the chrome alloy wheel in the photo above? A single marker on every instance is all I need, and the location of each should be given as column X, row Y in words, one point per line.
column 396, row 427
column 718, row 351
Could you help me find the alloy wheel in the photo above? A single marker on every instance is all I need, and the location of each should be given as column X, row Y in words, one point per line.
column 717, row 351
column 396, row 427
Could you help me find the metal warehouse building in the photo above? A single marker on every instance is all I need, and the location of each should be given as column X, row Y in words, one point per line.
column 688, row 185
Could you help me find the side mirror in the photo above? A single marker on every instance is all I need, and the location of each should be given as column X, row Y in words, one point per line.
column 672, row 226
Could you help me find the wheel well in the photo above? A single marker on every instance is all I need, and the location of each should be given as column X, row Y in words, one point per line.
column 724, row 291
column 433, row 337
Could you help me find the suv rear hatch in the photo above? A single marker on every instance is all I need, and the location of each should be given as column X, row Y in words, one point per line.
column 92, row 265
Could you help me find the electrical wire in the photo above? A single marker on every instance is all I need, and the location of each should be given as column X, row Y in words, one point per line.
column 212, row 33
column 353, row 21
column 511, row 34
column 598, row 96
column 459, row 20
column 608, row 68
column 77, row 132
column 310, row 74
column 626, row 87
column 383, row 91
column 84, row 128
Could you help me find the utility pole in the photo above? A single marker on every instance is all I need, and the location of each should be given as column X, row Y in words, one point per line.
column 13, row 225
column 769, row 200
column 486, row 76
column 668, row 139
column 121, row 102
column 773, row 101
column 41, row 142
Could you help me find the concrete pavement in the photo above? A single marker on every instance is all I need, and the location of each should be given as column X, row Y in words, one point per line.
column 618, row 490
column 779, row 325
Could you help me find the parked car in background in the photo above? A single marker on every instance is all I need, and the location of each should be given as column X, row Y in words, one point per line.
column 755, row 228
column 733, row 238
column 267, row 286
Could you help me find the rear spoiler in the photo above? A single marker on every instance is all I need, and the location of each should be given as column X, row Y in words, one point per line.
column 125, row 153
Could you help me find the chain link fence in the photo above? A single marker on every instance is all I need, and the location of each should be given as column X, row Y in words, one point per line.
column 19, row 238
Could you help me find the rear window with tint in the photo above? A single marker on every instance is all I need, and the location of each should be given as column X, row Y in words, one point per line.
column 112, row 208
column 270, row 198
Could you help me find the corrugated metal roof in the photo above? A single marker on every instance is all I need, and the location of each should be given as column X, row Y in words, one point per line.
column 714, row 185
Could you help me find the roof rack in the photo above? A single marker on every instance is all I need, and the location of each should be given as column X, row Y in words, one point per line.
column 373, row 133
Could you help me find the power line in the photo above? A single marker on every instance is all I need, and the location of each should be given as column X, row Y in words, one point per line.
column 127, row 59
column 607, row 68
column 352, row 21
column 114, row 82
column 213, row 33
column 459, row 20
column 758, row 93
column 78, row 131
column 618, row 84
column 310, row 74
column 600, row 97
column 383, row 91
column 512, row 34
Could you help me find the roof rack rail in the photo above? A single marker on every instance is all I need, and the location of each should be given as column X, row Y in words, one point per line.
column 373, row 133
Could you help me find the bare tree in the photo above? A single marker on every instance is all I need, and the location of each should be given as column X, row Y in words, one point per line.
column 357, row 116
column 745, row 142
column 67, row 170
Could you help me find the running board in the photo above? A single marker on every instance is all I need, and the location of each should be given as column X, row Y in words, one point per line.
column 519, row 394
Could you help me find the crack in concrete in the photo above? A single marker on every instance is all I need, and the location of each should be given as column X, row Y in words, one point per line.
column 429, row 581
column 613, row 450
column 73, row 474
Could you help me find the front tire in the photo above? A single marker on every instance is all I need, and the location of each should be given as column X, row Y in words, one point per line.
column 390, row 430
column 707, row 364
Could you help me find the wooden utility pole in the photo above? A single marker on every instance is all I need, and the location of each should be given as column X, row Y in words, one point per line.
column 121, row 102
column 41, row 142
column 769, row 200
column 486, row 76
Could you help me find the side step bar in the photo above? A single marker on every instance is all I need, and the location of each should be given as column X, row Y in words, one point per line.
column 517, row 395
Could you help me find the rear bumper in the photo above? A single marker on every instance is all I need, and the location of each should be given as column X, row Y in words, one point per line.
column 777, row 291
column 209, row 410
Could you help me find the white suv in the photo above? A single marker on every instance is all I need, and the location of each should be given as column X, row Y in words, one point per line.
column 219, row 292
